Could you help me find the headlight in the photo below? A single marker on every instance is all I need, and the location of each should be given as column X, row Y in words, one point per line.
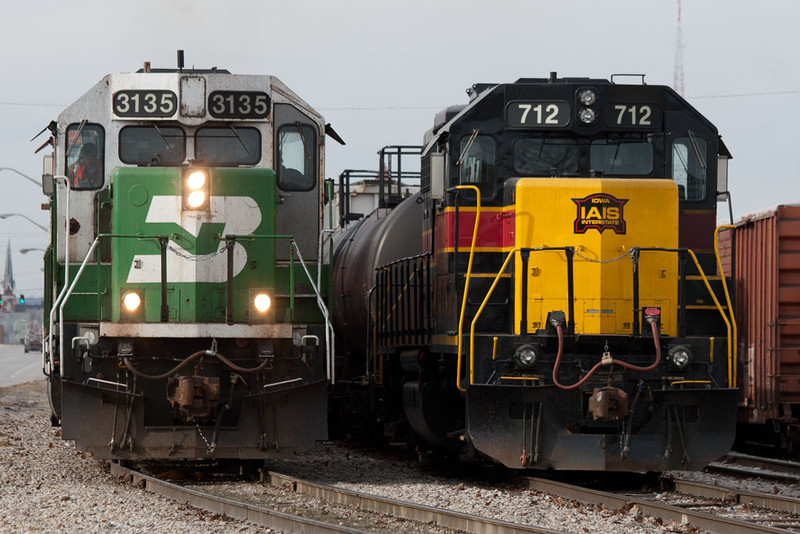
column 679, row 357
column 587, row 115
column 195, row 189
column 195, row 199
column 262, row 302
column 131, row 301
column 587, row 97
column 525, row 356
column 196, row 180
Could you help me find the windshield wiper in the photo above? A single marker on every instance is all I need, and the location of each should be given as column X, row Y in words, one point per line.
column 696, row 148
column 241, row 142
column 466, row 148
column 77, row 136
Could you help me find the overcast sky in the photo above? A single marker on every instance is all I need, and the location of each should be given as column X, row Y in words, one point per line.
column 380, row 70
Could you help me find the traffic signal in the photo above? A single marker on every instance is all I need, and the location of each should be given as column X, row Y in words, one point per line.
column 22, row 299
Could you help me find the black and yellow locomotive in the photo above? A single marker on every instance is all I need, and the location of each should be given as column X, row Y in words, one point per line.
column 550, row 298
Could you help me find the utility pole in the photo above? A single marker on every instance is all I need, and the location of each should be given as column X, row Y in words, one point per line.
column 677, row 83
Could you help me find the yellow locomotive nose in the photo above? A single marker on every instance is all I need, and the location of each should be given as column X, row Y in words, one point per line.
column 602, row 219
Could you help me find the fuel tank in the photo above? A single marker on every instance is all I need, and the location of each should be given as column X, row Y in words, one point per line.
column 381, row 237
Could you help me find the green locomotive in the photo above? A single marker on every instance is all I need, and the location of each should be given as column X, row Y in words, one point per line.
column 185, row 313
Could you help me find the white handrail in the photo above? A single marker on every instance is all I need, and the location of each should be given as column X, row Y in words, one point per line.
column 64, row 303
column 329, row 336
column 66, row 279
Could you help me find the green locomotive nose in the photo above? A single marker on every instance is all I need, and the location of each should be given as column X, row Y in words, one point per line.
column 180, row 242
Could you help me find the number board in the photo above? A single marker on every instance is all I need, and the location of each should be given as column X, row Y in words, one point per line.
column 632, row 115
column 238, row 104
column 144, row 103
column 537, row 114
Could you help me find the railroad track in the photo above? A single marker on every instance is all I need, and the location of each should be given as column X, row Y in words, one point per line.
column 768, row 468
column 685, row 514
column 719, row 499
column 290, row 523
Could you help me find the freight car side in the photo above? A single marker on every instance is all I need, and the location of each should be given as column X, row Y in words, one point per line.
column 766, row 248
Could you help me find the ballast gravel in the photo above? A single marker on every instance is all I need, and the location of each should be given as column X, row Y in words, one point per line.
column 48, row 486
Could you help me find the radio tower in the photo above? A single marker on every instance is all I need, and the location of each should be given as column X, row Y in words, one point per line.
column 677, row 83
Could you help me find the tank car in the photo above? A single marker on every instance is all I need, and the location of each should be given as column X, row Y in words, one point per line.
column 185, row 312
column 550, row 299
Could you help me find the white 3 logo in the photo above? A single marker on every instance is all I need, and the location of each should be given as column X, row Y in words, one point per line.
column 241, row 216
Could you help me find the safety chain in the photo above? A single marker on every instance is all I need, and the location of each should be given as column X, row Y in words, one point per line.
column 208, row 445
column 192, row 257
column 612, row 260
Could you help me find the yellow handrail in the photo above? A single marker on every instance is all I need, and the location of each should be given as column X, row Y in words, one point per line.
column 478, row 314
column 732, row 356
column 466, row 281
column 719, row 308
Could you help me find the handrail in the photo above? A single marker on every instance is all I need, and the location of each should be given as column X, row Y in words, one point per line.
column 66, row 277
column 323, row 309
column 64, row 303
column 731, row 376
column 732, row 358
column 478, row 314
column 67, row 291
column 466, row 280
column 329, row 334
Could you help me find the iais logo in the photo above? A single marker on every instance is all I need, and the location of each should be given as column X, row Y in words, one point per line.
column 600, row 211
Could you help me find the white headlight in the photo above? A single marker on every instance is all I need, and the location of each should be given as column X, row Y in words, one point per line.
column 262, row 302
column 587, row 97
column 196, row 199
column 587, row 115
column 196, row 180
column 131, row 300
column 525, row 356
column 679, row 357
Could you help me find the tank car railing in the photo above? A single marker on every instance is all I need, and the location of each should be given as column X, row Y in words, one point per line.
column 389, row 176
column 403, row 301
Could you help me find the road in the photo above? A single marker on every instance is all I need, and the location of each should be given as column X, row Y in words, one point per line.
column 18, row 367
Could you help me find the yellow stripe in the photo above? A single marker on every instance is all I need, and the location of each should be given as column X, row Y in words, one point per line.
column 520, row 378
column 451, row 250
column 469, row 209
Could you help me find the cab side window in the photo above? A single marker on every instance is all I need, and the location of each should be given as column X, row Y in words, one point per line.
column 477, row 157
column 296, row 152
column 689, row 167
column 85, row 155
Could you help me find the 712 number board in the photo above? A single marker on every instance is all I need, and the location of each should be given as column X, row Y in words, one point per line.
column 537, row 114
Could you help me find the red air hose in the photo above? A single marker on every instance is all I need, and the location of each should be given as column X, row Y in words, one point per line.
column 612, row 361
column 188, row 359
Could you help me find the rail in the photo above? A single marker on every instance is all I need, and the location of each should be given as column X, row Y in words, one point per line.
column 257, row 515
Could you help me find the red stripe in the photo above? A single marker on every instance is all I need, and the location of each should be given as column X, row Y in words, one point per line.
column 495, row 229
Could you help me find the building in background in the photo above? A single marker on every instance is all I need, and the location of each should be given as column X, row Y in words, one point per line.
column 20, row 318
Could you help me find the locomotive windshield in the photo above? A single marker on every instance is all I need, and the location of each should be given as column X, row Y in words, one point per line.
column 228, row 145
column 145, row 145
column 561, row 157
column 545, row 157
column 621, row 157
